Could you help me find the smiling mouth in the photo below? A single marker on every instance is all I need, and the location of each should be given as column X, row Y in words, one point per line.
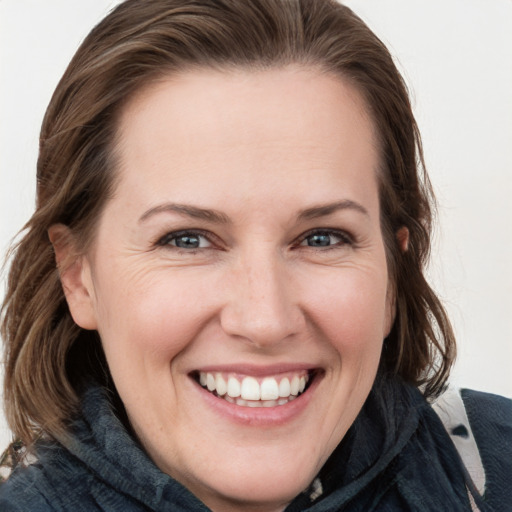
column 249, row 391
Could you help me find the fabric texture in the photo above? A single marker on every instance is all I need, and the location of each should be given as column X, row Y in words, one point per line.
column 397, row 456
column 490, row 417
column 452, row 411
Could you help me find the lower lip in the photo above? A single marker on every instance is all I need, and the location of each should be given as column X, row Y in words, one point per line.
column 260, row 416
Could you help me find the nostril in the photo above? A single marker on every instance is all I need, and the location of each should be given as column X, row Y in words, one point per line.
column 260, row 309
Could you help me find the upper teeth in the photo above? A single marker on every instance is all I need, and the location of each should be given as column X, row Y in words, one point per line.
column 250, row 388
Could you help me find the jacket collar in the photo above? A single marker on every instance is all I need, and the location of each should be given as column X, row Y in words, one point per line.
column 397, row 451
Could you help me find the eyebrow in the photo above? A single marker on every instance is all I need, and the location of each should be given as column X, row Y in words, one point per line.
column 190, row 211
column 217, row 217
column 328, row 209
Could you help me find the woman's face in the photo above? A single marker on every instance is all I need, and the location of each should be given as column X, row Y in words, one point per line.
column 241, row 259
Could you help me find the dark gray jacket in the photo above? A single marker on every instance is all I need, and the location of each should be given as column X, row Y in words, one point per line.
column 396, row 457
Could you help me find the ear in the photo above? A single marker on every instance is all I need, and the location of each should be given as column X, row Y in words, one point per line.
column 75, row 276
column 402, row 237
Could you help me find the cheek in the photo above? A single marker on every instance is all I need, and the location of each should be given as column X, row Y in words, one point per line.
column 149, row 317
column 351, row 311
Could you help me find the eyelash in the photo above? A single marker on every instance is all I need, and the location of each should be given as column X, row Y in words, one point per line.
column 165, row 241
column 345, row 239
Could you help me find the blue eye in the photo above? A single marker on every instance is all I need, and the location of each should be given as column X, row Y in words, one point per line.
column 185, row 240
column 324, row 239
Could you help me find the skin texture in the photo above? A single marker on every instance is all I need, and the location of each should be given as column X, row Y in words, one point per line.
column 261, row 148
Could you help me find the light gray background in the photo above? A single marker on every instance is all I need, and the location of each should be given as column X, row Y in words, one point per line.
column 456, row 56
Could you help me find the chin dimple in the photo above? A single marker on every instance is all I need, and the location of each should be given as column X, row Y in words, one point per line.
column 248, row 391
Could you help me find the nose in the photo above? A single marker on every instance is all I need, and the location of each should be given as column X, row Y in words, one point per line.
column 262, row 303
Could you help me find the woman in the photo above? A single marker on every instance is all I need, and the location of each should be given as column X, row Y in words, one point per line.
column 220, row 302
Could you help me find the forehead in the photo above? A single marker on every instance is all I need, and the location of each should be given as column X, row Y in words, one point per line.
column 204, row 99
column 251, row 127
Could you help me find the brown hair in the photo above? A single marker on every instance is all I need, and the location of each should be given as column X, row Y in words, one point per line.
column 46, row 353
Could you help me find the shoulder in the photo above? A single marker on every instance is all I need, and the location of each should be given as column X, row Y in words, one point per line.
column 55, row 482
column 25, row 489
column 488, row 411
column 490, row 417
column 480, row 426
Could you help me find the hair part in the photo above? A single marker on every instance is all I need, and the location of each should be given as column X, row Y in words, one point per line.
column 47, row 355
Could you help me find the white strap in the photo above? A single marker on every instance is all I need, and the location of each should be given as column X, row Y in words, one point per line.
column 452, row 412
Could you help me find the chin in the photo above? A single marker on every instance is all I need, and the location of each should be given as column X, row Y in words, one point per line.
column 255, row 488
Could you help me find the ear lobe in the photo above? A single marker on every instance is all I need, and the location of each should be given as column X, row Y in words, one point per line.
column 402, row 237
column 75, row 276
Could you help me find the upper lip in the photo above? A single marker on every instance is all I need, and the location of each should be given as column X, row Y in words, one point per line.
column 257, row 370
